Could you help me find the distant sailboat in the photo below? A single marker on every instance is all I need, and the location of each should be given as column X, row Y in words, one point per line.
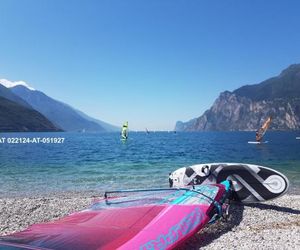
column 124, row 132
column 147, row 131
column 261, row 132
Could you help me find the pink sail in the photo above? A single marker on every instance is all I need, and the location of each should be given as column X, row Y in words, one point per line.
column 148, row 220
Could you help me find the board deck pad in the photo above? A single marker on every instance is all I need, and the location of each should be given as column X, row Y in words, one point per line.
column 251, row 183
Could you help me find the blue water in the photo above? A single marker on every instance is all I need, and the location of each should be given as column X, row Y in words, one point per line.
column 97, row 162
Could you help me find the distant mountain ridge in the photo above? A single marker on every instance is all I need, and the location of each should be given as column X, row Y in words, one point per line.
column 8, row 94
column 60, row 114
column 248, row 106
column 16, row 115
column 17, row 118
column 285, row 86
column 108, row 127
column 57, row 112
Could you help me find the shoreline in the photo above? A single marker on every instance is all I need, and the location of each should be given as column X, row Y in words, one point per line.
column 271, row 225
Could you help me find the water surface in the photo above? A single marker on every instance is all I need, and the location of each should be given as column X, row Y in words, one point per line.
column 99, row 161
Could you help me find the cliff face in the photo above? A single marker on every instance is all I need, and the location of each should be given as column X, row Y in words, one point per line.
column 243, row 110
column 231, row 112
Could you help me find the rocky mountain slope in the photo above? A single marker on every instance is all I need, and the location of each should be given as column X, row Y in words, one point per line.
column 57, row 112
column 247, row 107
column 17, row 118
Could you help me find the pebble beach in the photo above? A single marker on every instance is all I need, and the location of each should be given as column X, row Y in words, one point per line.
column 270, row 225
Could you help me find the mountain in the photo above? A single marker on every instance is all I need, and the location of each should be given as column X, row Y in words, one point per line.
column 108, row 127
column 8, row 94
column 247, row 107
column 17, row 118
column 183, row 126
column 57, row 112
column 285, row 86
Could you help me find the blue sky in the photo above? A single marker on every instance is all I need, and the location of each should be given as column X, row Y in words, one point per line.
column 147, row 62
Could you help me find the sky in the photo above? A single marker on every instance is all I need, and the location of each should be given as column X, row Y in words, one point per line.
column 148, row 62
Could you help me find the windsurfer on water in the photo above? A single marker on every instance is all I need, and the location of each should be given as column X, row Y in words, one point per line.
column 261, row 131
column 257, row 136
column 124, row 132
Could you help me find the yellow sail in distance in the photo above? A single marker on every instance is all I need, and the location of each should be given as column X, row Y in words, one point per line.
column 263, row 129
column 124, row 132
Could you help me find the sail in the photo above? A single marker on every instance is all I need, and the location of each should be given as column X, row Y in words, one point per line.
column 263, row 129
column 124, row 132
column 129, row 219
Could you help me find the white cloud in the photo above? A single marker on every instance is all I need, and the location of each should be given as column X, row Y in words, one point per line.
column 10, row 84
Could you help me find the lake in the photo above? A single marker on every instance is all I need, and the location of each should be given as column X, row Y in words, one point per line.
column 94, row 162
